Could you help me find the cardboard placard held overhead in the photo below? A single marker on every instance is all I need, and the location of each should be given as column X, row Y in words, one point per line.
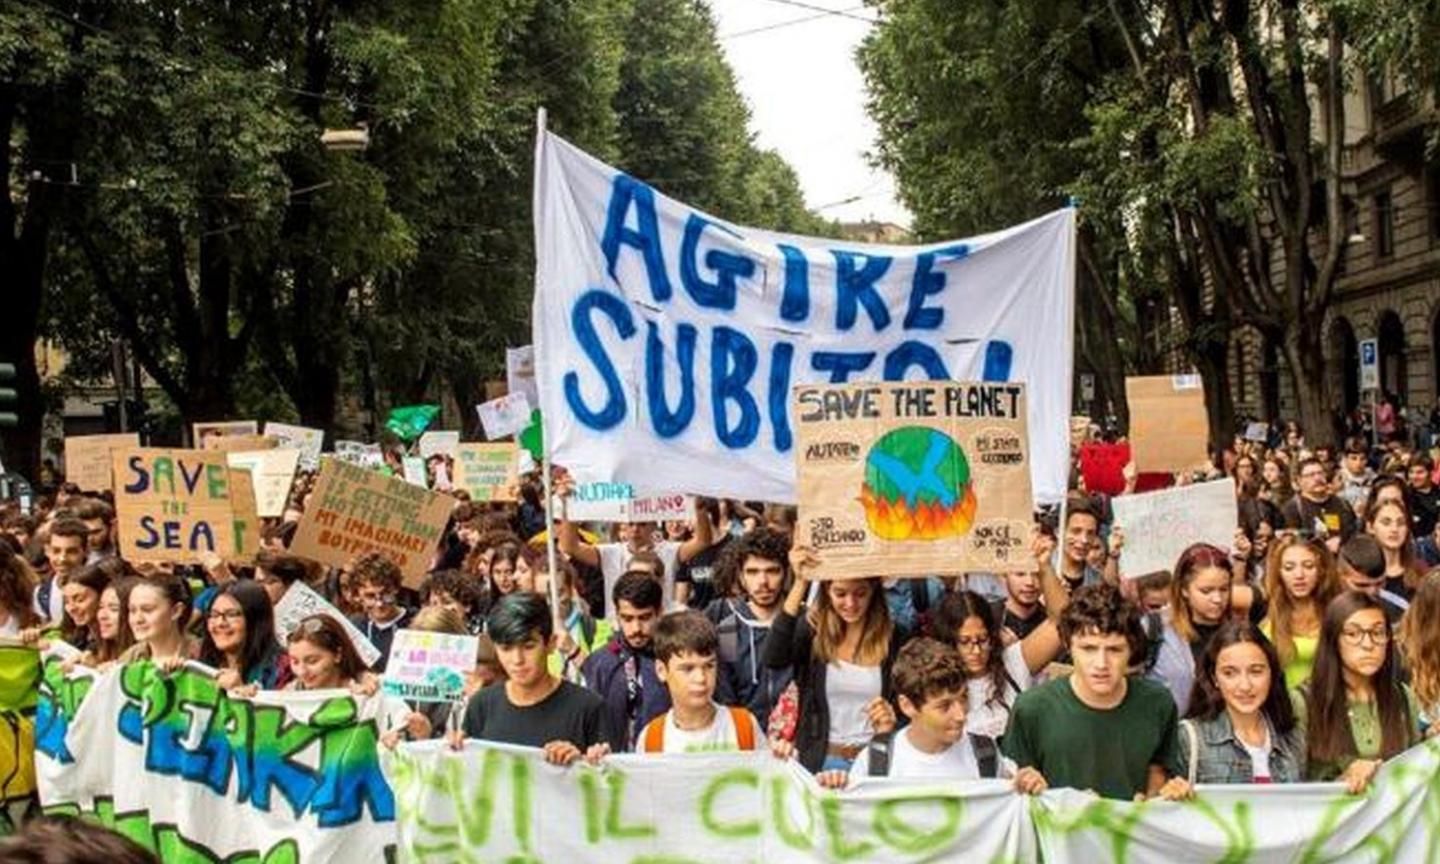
column 308, row 441
column 913, row 478
column 617, row 502
column 360, row 454
column 247, row 520
column 439, row 441
column 354, row 510
column 487, row 471
column 240, row 443
column 429, row 667
column 1169, row 429
column 520, row 372
column 272, row 472
column 203, row 432
column 1160, row 525
column 173, row 505
column 87, row 459
column 504, row 416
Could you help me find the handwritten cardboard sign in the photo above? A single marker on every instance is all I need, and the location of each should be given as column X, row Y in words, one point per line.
column 173, row 505
column 272, row 472
column 300, row 602
column 354, row 511
column 1102, row 466
column 1160, row 525
column 413, row 468
column 203, row 432
column 360, row 454
column 504, row 416
column 429, row 667
column 247, row 519
column 486, row 471
column 239, row 443
column 308, row 441
column 617, row 502
column 1169, row 429
column 87, row 459
column 1258, row 432
column 913, row 478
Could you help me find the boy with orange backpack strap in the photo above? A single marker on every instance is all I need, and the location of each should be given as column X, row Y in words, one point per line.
column 687, row 659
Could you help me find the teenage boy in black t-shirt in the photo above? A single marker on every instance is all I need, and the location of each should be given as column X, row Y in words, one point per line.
column 531, row 707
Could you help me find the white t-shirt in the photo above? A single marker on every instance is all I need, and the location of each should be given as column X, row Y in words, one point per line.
column 957, row 762
column 615, row 559
column 987, row 719
column 720, row 735
column 848, row 690
column 1259, row 756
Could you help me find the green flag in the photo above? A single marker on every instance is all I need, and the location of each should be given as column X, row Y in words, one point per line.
column 410, row 421
column 532, row 437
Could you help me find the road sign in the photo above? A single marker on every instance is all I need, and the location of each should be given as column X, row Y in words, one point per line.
column 1370, row 364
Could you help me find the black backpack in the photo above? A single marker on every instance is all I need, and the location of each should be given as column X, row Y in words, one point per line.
column 987, row 755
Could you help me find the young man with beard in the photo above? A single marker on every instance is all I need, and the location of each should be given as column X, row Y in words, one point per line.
column 623, row 672
column 99, row 519
column 759, row 564
column 531, row 707
column 1315, row 512
column 1097, row 728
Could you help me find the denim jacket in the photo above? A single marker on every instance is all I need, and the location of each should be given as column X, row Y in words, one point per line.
column 1217, row 756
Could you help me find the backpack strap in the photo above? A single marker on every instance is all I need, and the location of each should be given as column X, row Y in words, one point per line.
column 744, row 727
column 987, row 755
column 655, row 735
column 879, row 761
column 1194, row 760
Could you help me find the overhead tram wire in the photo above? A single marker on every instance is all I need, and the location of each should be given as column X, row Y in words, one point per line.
column 738, row 34
column 823, row 10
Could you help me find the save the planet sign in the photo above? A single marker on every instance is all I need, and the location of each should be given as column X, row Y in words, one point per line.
column 913, row 479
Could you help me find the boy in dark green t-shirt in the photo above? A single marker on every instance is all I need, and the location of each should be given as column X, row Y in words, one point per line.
column 1097, row 728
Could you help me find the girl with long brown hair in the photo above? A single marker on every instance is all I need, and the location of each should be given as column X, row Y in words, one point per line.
column 1300, row 580
column 1354, row 712
column 841, row 649
column 1418, row 638
column 1388, row 521
column 17, row 587
column 112, row 624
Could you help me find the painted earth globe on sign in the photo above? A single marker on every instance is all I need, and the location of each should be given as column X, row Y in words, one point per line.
column 917, row 486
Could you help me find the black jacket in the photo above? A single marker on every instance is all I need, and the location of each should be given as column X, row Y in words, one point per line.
column 791, row 643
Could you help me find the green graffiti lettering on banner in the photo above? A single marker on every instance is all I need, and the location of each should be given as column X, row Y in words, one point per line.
column 733, row 830
column 610, row 806
column 1097, row 816
column 902, row 836
column 789, row 835
column 520, row 798
column 841, row 848
column 1239, row 834
column 166, row 841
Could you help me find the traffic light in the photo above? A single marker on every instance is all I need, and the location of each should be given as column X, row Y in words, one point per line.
column 9, row 397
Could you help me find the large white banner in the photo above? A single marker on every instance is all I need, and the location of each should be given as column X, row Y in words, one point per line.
column 667, row 341
column 505, row 804
column 178, row 766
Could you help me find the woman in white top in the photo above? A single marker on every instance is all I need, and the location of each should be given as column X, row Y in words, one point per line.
column 998, row 672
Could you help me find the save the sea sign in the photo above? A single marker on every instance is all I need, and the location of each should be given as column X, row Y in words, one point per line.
column 175, row 505
column 905, row 479
column 667, row 341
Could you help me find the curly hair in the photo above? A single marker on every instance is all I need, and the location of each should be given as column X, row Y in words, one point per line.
column 1102, row 610
column 764, row 543
column 376, row 568
column 461, row 587
column 928, row 667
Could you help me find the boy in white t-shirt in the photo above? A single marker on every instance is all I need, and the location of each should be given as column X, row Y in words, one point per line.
column 929, row 679
column 687, row 659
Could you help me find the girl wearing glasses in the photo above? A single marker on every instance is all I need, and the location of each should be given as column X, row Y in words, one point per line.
column 240, row 638
column 1353, row 712
column 323, row 659
column 996, row 673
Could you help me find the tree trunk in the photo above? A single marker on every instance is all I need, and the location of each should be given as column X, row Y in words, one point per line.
column 1212, row 362
column 1306, row 362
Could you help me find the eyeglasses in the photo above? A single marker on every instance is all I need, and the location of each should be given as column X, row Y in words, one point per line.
column 227, row 615
column 976, row 643
column 1379, row 635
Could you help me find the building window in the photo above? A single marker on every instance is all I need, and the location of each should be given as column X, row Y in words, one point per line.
column 1384, row 225
column 1432, row 197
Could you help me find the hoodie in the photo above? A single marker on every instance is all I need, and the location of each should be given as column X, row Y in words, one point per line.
column 633, row 693
column 744, row 679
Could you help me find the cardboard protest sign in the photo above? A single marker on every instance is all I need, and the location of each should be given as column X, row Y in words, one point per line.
column 667, row 341
column 300, row 602
column 87, row 459
column 272, row 472
column 913, row 478
column 439, row 441
column 1102, row 466
column 354, row 511
column 173, row 505
column 429, row 667
column 308, row 441
column 1169, row 429
column 520, row 372
column 1160, row 525
column 617, row 502
column 414, row 470
column 504, row 416
column 247, row 519
column 360, row 454
column 239, row 443
column 486, row 471
column 203, row 432
column 1258, row 432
